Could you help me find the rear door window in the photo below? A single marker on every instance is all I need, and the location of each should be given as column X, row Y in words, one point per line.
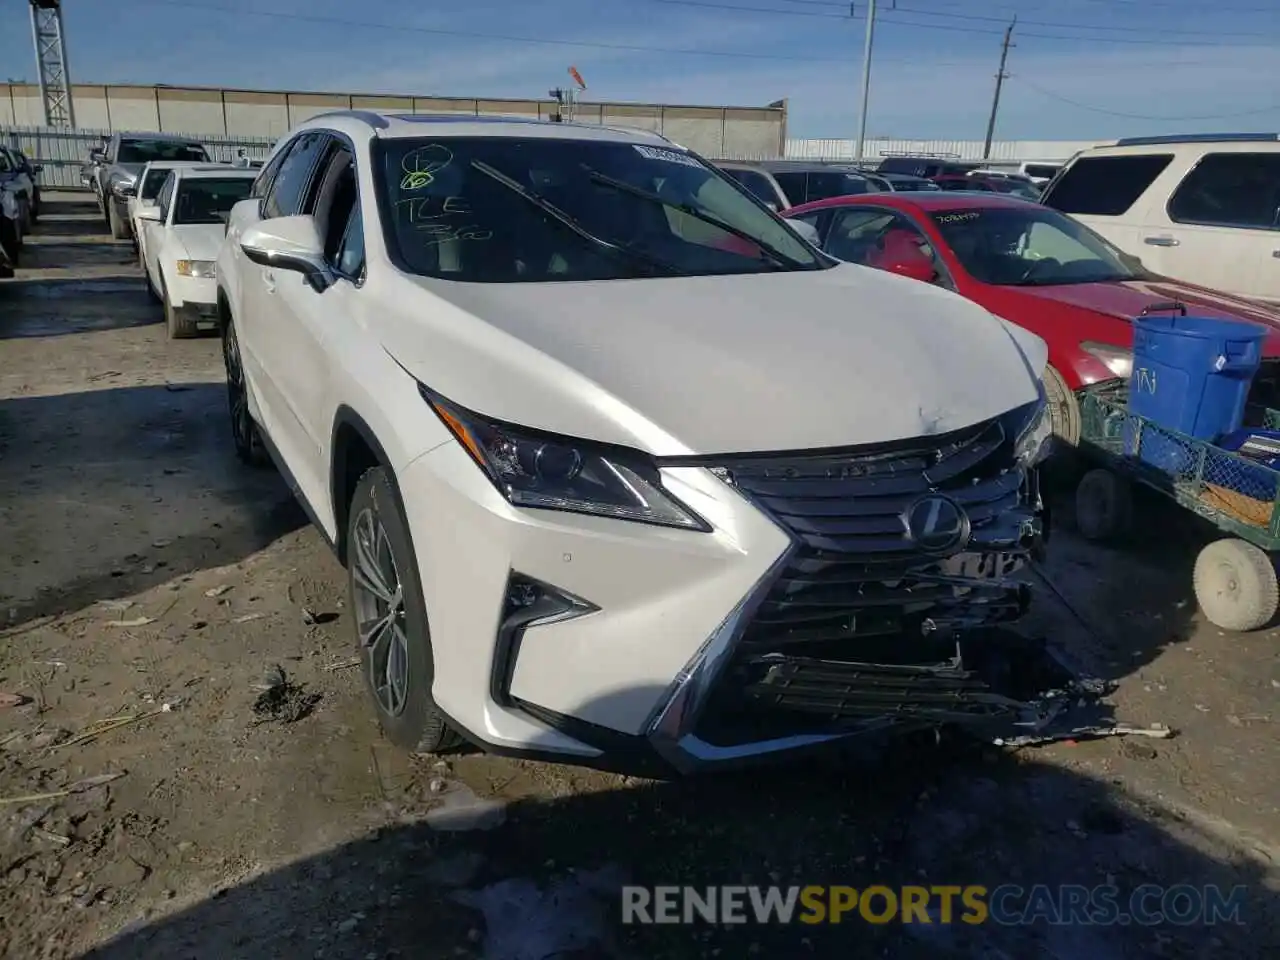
column 1105, row 186
column 1230, row 190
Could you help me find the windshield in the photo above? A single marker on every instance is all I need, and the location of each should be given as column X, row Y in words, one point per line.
column 209, row 199
column 153, row 182
column 1016, row 246
column 144, row 151
column 450, row 214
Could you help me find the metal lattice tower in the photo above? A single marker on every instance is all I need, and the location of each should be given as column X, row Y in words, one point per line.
column 51, row 63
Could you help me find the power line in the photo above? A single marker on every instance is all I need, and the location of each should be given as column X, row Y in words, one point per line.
column 481, row 35
column 891, row 17
column 1139, row 116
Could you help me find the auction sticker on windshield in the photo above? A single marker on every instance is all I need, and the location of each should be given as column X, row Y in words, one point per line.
column 670, row 156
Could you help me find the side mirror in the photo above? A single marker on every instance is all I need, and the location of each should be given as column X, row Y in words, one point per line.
column 37, row 168
column 149, row 211
column 97, row 156
column 289, row 243
column 806, row 230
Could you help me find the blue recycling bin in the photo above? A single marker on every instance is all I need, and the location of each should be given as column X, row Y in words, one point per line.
column 1191, row 375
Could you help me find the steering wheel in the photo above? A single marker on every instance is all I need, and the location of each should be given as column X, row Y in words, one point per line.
column 1035, row 267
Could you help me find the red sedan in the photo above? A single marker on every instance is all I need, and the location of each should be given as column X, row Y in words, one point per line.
column 1032, row 266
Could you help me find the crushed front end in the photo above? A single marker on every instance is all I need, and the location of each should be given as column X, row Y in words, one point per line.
column 908, row 563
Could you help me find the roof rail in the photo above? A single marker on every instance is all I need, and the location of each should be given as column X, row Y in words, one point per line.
column 1198, row 138
column 375, row 120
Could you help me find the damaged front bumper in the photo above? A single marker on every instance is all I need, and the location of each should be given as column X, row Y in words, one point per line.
column 866, row 623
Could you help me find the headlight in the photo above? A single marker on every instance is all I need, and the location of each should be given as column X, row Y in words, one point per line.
column 1033, row 442
column 196, row 268
column 557, row 473
column 1116, row 359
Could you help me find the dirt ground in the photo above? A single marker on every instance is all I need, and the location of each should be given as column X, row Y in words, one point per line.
column 164, row 794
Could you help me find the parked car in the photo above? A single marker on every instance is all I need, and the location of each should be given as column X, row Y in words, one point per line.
column 1032, row 266
column 804, row 181
column 1205, row 209
column 562, row 397
column 19, row 173
column 10, row 230
column 182, row 233
column 758, row 181
column 971, row 183
column 905, row 181
column 928, row 167
column 1039, row 173
column 147, row 189
column 114, row 170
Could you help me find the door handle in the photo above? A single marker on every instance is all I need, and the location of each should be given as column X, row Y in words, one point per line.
column 1160, row 241
column 269, row 280
column 1276, row 254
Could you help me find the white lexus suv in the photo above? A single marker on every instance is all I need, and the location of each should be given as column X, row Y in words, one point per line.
column 624, row 472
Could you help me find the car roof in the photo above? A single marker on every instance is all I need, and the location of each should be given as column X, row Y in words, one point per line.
column 397, row 126
column 172, row 137
column 925, row 200
column 214, row 172
column 175, row 164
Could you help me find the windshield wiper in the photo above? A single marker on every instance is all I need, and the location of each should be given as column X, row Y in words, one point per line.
column 776, row 256
column 549, row 208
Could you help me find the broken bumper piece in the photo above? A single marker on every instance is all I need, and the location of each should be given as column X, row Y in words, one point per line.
column 1003, row 689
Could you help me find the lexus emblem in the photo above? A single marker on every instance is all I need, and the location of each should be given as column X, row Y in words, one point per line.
column 936, row 524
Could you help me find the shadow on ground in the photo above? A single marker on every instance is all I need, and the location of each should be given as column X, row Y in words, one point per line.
column 546, row 883
column 1132, row 598
column 105, row 493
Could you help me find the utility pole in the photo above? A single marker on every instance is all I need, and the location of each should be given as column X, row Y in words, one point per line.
column 866, row 76
column 1001, row 76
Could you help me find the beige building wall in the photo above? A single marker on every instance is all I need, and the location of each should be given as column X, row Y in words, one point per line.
column 710, row 130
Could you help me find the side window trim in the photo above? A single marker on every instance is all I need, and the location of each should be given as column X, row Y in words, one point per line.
column 1173, row 197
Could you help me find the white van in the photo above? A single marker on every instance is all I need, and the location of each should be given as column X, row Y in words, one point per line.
column 1201, row 208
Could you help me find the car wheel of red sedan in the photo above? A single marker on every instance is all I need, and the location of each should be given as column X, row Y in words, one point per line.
column 1063, row 407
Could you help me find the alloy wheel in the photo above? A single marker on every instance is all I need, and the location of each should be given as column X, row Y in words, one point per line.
column 237, row 396
column 380, row 613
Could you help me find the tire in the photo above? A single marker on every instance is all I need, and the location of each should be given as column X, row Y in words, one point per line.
column 1104, row 506
column 1064, row 409
column 179, row 327
column 119, row 229
column 152, row 292
column 35, row 206
column 244, row 432
column 10, row 239
column 24, row 216
column 1235, row 585
column 378, row 552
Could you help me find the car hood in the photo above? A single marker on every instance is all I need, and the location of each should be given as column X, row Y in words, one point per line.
column 1126, row 299
column 726, row 364
column 201, row 241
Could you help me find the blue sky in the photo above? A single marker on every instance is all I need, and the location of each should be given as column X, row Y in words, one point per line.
column 1080, row 68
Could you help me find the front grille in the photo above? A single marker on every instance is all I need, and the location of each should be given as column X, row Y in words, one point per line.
column 858, row 589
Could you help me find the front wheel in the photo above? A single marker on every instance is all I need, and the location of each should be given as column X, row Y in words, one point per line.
column 391, row 619
column 244, row 432
column 1236, row 586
